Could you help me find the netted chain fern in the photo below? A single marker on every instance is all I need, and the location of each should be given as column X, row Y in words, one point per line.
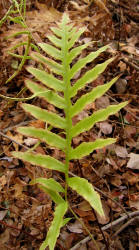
column 59, row 92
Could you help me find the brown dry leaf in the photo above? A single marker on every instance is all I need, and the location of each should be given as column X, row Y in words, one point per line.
column 3, row 214
column 134, row 204
column 85, row 206
column 122, row 66
column 39, row 20
column 121, row 151
column 116, row 180
column 75, row 227
column 102, row 5
column 3, row 181
column 130, row 131
column 106, row 128
column 102, row 102
column 121, row 85
column 133, row 163
column 130, row 47
column 4, row 237
column 30, row 141
column 87, row 215
column 131, row 178
column 131, row 143
column 1, row 113
column 134, row 201
column 18, row 189
column 82, row 115
column 79, row 8
column 17, row 138
column 37, row 124
column 18, row 117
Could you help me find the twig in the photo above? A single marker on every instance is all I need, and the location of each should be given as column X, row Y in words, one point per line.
column 11, row 139
column 125, row 225
column 114, row 223
column 17, row 125
column 129, row 125
column 79, row 244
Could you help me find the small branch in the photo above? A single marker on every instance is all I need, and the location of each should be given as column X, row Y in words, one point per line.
column 79, row 244
column 112, row 224
column 116, row 222
column 17, row 125
column 11, row 139
column 133, row 220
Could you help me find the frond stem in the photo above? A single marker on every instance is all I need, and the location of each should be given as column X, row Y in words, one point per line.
column 66, row 79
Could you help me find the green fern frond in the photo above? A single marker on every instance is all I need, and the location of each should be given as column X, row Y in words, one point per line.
column 58, row 91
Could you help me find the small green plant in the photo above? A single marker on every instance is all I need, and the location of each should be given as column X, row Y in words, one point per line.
column 17, row 14
column 59, row 91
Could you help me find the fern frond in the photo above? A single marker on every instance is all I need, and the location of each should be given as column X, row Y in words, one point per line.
column 46, row 116
column 59, row 92
column 44, row 161
column 83, row 61
column 47, row 79
column 97, row 116
column 86, row 148
column 52, row 65
column 91, row 97
column 49, row 95
column 44, row 135
column 89, row 76
column 51, row 51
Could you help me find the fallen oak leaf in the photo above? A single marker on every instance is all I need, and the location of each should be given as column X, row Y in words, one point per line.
column 133, row 163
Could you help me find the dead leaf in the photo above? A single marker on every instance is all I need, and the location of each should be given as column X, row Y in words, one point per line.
column 116, row 180
column 102, row 102
column 106, row 128
column 101, row 5
column 134, row 161
column 3, row 181
column 75, row 227
column 30, row 141
column 131, row 178
column 82, row 115
column 3, row 214
column 37, row 124
column 121, row 85
column 134, row 204
column 121, row 151
column 18, row 138
column 130, row 131
column 85, row 206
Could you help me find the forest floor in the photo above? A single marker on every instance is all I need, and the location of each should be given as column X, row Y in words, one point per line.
column 25, row 211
